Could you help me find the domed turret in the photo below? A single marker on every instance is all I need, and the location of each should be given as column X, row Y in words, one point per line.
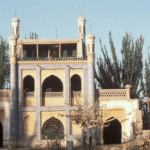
column 90, row 35
column 15, row 35
column 81, row 27
column 15, row 19
column 15, row 26
column 90, row 43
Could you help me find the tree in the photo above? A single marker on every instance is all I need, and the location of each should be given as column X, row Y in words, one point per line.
column 33, row 35
column 94, row 117
column 4, row 64
column 147, row 77
column 118, row 73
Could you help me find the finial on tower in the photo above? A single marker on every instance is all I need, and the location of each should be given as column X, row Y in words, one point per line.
column 90, row 28
column 15, row 11
column 82, row 11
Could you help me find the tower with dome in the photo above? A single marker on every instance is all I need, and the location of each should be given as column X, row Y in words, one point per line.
column 46, row 76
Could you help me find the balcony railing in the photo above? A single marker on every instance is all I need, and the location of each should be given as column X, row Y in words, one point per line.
column 4, row 95
column 52, row 94
column 29, row 94
column 76, row 93
column 113, row 94
column 52, row 59
column 76, row 97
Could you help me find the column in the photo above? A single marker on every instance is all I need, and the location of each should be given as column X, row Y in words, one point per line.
column 37, row 50
column 91, row 88
column 38, row 103
column 59, row 50
column 20, row 98
column 13, row 99
column 67, row 97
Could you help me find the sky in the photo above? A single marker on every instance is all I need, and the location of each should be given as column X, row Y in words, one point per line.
column 44, row 16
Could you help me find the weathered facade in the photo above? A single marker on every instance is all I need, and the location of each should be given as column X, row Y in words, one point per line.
column 46, row 75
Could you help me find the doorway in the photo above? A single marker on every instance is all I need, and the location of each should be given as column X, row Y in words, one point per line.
column 112, row 133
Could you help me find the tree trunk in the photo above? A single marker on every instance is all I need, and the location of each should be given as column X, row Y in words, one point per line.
column 101, row 135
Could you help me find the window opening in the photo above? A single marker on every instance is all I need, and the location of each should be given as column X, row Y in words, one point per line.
column 64, row 53
column 74, row 53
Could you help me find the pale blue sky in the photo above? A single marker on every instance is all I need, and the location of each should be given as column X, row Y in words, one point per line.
column 43, row 16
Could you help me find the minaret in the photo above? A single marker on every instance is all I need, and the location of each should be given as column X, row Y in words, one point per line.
column 13, row 77
column 90, row 41
column 81, row 31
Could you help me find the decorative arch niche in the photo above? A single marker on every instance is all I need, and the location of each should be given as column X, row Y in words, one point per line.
column 52, row 129
column 29, row 126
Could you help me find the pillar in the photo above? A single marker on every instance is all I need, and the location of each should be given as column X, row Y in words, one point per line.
column 59, row 50
column 91, row 87
column 37, row 50
column 13, row 99
column 67, row 97
column 38, row 103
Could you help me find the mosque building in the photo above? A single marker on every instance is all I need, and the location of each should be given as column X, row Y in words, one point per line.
column 45, row 77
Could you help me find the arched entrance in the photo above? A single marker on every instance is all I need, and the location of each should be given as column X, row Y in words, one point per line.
column 53, row 129
column 112, row 133
column 1, row 135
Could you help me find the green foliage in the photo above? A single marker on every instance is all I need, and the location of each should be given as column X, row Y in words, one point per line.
column 4, row 64
column 33, row 35
column 147, row 77
column 114, row 74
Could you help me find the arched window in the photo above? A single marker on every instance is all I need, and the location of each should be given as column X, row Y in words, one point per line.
column 12, row 30
column 88, row 48
column 52, row 129
column 64, row 53
column 17, row 31
column 79, row 29
column 93, row 48
column 84, row 29
column 28, row 84
column 52, row 84
column 75, row 85
column 74, row 53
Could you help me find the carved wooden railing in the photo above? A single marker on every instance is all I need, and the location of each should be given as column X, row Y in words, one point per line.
column 4, row 95
column 114, row 94
column 52, row 59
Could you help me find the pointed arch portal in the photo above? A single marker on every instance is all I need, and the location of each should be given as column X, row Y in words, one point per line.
column 112, row 133
column 52, row 129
